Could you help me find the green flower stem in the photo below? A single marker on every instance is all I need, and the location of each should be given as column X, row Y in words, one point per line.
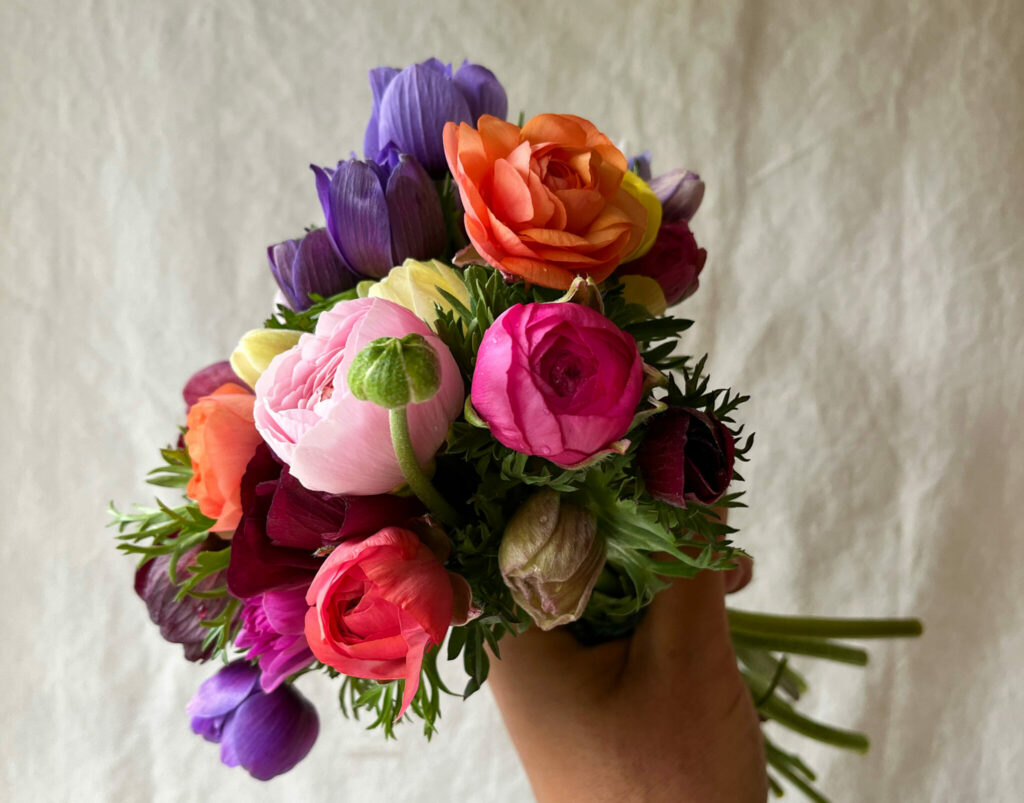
column 783, row 713
column 782, row 763
column 797, row 645
column 759, row 624
column 410, row 465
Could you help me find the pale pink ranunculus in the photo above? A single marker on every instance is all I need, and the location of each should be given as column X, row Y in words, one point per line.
column 377, row 604
column 332, row 441
column 557, row 380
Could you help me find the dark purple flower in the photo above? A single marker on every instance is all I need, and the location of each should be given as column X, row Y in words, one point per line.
column 680, row 193
column 674, row 262
column 267, row 734
column 309, row 265
column 180, row 621
column 686, row 455
column 283, row 524
column 380, row 215
column 411, row 106
column 206, row 380
column 273, row 630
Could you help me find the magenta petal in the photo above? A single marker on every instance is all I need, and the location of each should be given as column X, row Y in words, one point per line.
column 271, row 733
column 286, row 609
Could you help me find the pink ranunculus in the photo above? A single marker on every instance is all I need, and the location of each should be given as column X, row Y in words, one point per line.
column 557, row 380
column 332, row 441
column 377, row 605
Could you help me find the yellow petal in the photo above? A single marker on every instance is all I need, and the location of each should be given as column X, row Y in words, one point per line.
column 416, row 286
column 641, row 191
column 646, row 292
column 257, row 348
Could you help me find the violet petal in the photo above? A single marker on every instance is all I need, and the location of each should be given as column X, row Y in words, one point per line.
column 318, row 270
column 414, row 209
column 271, row 733
column 380, row 77
column 225, row 691
column 482, row 90
column 358, row 218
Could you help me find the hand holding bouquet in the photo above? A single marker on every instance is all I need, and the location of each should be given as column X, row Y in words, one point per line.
column 468, row 416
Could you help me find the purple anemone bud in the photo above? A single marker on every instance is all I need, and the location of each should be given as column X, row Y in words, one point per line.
column 180, row 621
column 686, row 455
column 680, row 193
column 206, row 380
column 378, row 216
column 309, row 265
column 267, row 734
column 273, row 630
column 641, row 165
column 411, row 106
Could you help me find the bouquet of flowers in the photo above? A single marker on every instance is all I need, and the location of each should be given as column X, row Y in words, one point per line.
column 468, row 415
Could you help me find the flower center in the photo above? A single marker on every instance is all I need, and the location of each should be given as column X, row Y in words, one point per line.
column 565, row 373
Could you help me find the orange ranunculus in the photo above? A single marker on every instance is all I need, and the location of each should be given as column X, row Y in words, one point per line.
column 221, row 438
column 544, row 202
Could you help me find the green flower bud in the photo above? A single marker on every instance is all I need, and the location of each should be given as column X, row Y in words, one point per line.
column 394, row 372
column 550, row 557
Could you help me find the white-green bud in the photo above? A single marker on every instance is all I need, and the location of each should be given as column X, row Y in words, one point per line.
column 550, row 557
column 394, row 372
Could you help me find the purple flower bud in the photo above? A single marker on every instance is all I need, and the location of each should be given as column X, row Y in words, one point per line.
column 206, row 380
column 641, row 165
column 686, row 455
column 267, row 734
column 674, row 262
column 411, row 106
column 680, row 193
column 378, row 216
column 273, row 630
column 309, row 265
column 180, row 621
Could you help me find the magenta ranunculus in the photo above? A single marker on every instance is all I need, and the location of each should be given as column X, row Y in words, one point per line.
column 557, row 380
column 332, row 441
column 274, row 631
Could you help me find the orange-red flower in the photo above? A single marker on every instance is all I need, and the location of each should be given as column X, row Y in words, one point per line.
column 221, row 438
column 544, row 202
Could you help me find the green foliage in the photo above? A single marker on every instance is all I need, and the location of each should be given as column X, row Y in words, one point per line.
column 305, row 320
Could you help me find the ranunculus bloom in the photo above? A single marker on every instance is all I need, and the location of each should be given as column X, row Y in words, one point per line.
column 309, row 265
column 686, row 455
column 331, row 440
column 377, row 605
column 180, row 620
column 267, row 734
column 546, row 202
column 674, row 262
column 220, row 440
column 273, row 630
column 379, row 215
column 411, row 106
column 284, row 524
column 557, row 380
column 416, row 286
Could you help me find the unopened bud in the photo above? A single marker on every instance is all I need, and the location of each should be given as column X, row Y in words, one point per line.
column 394, row 372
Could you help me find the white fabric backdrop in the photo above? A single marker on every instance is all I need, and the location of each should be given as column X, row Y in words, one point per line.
column 864, row 285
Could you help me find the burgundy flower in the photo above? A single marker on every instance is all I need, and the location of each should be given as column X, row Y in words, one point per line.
column 283, row 524
column 206, row 380
column 674, row 262
column 686, row 455
column 180, row 621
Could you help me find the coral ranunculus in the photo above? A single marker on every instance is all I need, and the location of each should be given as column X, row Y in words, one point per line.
column 221, row 438
column 377, row 605
column 545, row 202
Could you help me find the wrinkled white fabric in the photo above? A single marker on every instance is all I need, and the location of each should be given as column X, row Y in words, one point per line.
column 864, row 285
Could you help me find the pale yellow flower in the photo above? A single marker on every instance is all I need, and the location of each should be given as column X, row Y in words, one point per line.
column 416, row 286
column 257, row 348
column 641, row 190
column 645, row 291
